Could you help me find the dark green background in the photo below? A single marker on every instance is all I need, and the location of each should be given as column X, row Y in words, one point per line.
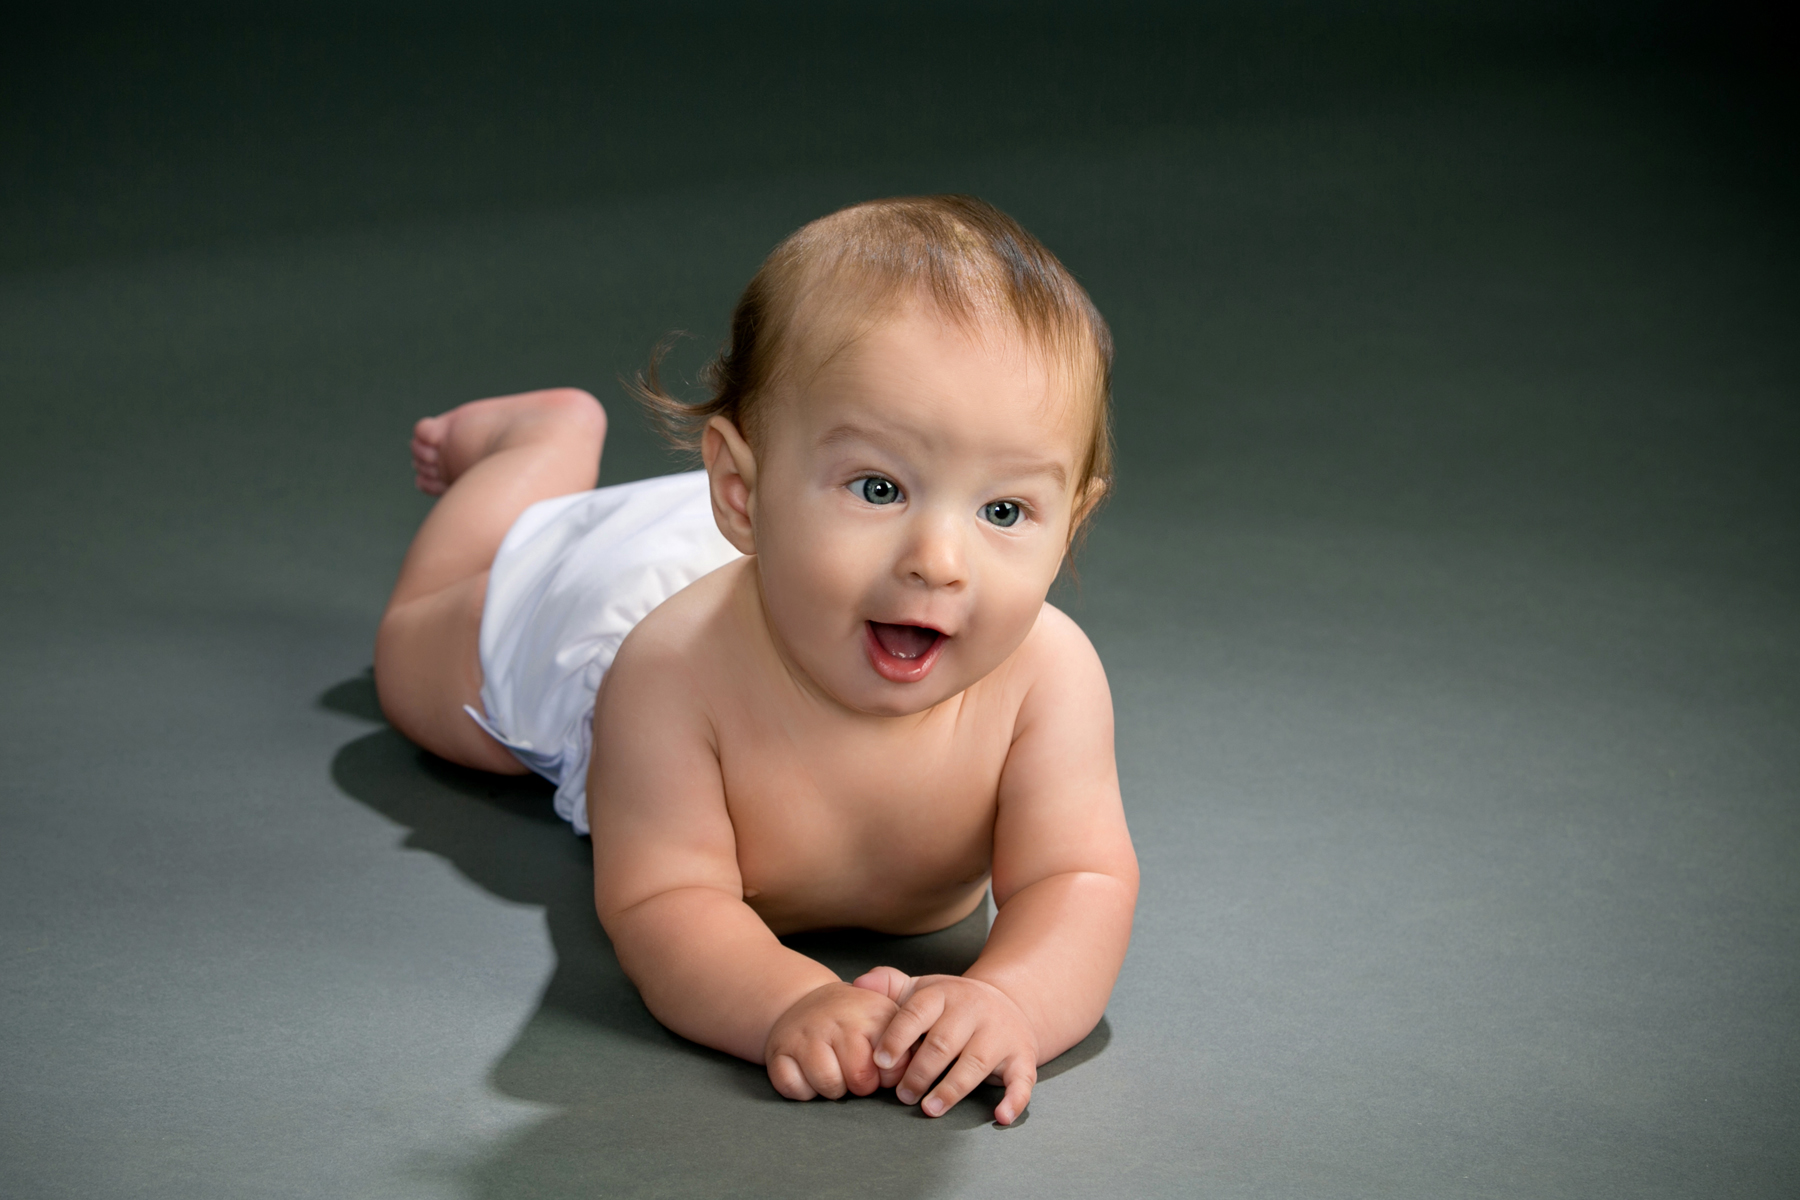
column 1449, row 594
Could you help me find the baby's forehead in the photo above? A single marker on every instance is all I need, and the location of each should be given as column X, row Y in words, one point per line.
column 837, row 334
column 917, row 368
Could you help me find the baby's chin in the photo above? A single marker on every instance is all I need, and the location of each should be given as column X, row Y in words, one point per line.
column 852, row 674
column 908, row 704
column 865, row 691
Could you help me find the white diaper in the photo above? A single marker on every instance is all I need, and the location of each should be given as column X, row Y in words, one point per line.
column 572, row 578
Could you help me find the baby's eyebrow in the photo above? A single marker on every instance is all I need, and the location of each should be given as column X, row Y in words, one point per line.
column 1055, row 470
column 837, row 435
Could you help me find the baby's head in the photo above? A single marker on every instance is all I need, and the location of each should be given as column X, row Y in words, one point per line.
column 908, row 428
column 840, row 275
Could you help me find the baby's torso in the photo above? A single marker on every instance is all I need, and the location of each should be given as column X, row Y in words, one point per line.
column 883, row 828
column 842, row 819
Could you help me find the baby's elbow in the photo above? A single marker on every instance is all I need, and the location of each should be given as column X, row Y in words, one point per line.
column 1110, row 891
column 630, row 930
column 1118, row 883
column 1127, row 876
column 1089, row 889
column 623, row 914
column 622, row 910
column 1113, row 878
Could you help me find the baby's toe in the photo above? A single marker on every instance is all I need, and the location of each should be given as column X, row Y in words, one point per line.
column 428, row 465
column 430, row 431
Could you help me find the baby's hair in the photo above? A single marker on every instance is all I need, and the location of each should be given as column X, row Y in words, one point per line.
column 970, row 259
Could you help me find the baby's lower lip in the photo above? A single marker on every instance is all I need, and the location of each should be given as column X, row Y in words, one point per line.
column 901, row 667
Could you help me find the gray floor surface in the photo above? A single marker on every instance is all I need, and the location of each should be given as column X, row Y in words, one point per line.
column 1449, row 598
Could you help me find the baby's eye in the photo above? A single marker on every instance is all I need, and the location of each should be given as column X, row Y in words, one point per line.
column 876, row 489
column 1001, row 512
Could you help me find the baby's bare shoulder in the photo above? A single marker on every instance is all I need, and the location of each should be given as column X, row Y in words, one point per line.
column 1057, row 629
column 1057, row 657
column 669, row 650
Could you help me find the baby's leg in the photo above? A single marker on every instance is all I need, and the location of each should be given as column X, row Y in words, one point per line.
column 488, row 461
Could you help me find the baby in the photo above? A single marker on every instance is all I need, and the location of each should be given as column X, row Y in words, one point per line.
column 816, row 684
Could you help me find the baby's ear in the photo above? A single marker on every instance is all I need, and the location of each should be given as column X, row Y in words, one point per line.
column 731, row 469
column 1091, row 496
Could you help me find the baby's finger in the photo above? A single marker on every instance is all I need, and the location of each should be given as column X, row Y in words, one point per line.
column 972, row 1068
column 917, row 1015
column 1019, row 1077
column 947, row 1041
column 788, row 1079
column 891, row 1076
column 856, row 1059
column 891, row 982
column 820, row 1063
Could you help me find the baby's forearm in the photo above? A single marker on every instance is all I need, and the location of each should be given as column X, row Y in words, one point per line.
column 709, row 969
column 1056, row 948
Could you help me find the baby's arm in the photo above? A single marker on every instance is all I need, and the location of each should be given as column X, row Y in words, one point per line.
column 1065, row 883
column 669, row 893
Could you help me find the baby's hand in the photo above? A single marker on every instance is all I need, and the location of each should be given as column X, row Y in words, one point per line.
column 966, row 1021
column 824, row 1044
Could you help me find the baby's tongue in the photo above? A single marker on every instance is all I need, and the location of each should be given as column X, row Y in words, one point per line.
column 904, row 641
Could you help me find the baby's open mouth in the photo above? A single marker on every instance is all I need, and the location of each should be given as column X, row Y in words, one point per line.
column 903, row 653
column 905, row 641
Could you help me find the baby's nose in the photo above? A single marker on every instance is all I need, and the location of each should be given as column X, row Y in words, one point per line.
column 936, row 557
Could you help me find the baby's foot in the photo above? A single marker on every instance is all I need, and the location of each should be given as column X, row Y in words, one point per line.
column 447, row 445
column 431, row 474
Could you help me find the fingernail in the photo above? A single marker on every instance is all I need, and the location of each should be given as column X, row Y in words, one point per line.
column 934, row 1107
column 883, row 1059
column 906, row 1097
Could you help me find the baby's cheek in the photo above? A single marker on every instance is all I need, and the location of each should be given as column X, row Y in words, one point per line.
column 1014, row 614
column 812, row 573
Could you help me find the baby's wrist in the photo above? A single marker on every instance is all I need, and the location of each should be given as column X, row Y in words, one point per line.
column 1009, row 989
column 796, row 1001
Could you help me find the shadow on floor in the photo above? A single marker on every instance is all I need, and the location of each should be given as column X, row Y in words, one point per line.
column 641, row 1110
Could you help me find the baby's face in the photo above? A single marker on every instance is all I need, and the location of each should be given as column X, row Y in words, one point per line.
column 913, row 502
